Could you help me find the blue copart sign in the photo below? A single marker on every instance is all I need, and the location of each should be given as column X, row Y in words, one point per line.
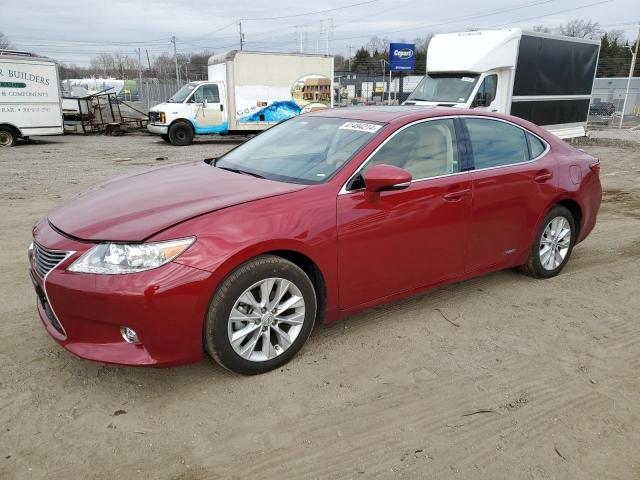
column 402, row 56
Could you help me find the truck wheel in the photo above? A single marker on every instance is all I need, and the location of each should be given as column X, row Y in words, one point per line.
column 165, row 137
column 8, row 137
column 181, row 134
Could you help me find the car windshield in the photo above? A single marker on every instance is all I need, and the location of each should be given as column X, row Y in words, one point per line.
column 182, row 94
column 444, row 87
column 305, row 150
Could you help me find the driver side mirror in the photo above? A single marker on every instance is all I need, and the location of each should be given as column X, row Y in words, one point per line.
column 382, row 177
column 481, row 100
column 204, row 103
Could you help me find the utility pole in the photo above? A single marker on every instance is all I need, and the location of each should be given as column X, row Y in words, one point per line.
column 349, row 47
column 148, row 61
column 175, row 56
column 241, row 35
column 329, row 32
column 139, row 72
column 634, row 56
column 383, row 74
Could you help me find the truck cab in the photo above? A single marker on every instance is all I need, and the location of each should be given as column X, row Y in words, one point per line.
column 546, row 79
column 198, row 108
column 481, row 91
column 470, row 70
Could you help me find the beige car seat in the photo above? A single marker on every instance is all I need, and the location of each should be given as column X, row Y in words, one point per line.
column 432, row 155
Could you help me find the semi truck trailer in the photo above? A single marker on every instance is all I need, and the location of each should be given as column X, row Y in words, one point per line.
column 245, row 92
column 546, row 79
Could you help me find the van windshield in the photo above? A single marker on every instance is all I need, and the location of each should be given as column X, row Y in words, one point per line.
column 182, row 94
column 445, row 87
column 304, row 150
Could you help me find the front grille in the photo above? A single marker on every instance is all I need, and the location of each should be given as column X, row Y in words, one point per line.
column 154, row 117
column 45, row 260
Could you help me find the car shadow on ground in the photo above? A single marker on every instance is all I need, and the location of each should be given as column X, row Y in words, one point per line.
column 207, row 372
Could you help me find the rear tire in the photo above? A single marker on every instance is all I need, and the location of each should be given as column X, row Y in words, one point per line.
column 181, row 134
column 260, row 316
column 165, row 137
column 553, row 244
column 8, row 137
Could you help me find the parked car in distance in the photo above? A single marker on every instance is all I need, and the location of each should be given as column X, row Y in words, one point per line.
column 603, row 109
column 319, row 217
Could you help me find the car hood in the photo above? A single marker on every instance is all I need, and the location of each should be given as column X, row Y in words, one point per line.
column 134, row 207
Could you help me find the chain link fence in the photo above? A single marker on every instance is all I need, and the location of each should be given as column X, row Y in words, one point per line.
column 608, row 102
column 153, row 91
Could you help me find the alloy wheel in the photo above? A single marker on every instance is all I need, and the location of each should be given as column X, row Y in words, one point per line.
column 266, row 319
column 555, row 243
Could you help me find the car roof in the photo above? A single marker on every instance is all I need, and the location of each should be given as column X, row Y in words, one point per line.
column 394, row 113
column 403, row 114
column 377, row 113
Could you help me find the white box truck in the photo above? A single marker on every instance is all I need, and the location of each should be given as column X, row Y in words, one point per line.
column 546, row 79
column 30, row 101
column 246, row 92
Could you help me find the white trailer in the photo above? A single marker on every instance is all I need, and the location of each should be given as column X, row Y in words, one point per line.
column 30, row 100
column 246, row 92
column 546, row 79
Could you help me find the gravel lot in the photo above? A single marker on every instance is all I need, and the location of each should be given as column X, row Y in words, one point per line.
column 532, row 379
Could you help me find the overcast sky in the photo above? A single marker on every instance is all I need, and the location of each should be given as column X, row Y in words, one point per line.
column 74, row 31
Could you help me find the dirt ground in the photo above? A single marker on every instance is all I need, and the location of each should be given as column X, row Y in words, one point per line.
column 500, row 377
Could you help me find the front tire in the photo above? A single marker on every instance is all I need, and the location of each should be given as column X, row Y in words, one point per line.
column 8, row 137
column 260, row 316
column 553, row 245
column 181, row 134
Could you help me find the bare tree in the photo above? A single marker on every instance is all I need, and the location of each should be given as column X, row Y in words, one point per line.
column 4, row 41
column 616, row 36
column 581, row 29
column 422, row 43
column 377, row 45
column 541, row 28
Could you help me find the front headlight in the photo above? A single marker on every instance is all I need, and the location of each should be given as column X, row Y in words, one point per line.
column 115, row 258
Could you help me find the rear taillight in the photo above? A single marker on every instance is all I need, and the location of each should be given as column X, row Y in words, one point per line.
column 595, row 166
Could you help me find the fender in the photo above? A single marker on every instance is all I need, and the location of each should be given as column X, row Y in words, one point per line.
column 14, row 127
column 561, row 196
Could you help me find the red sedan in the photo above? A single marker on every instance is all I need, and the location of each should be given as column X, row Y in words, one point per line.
column 319, row 217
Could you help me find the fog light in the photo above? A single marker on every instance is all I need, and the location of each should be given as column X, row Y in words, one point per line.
column 129, row 335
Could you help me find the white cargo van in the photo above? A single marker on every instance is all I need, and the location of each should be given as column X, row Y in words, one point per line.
column 30, row 102
column 246, row 92
column 546, row 79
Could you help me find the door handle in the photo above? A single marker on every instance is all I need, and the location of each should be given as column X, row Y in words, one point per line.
column 221, row 108
column 543, row 176
column 456, row 195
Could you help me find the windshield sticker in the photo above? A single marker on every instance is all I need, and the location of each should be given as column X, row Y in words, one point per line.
column 468, row 79
column 361, row 127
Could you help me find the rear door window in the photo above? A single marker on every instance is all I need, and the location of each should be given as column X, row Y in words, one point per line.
column 495, row 143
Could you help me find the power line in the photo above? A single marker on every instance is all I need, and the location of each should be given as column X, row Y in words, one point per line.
column 552, row 13
column 455, row 19
column 282, row 17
